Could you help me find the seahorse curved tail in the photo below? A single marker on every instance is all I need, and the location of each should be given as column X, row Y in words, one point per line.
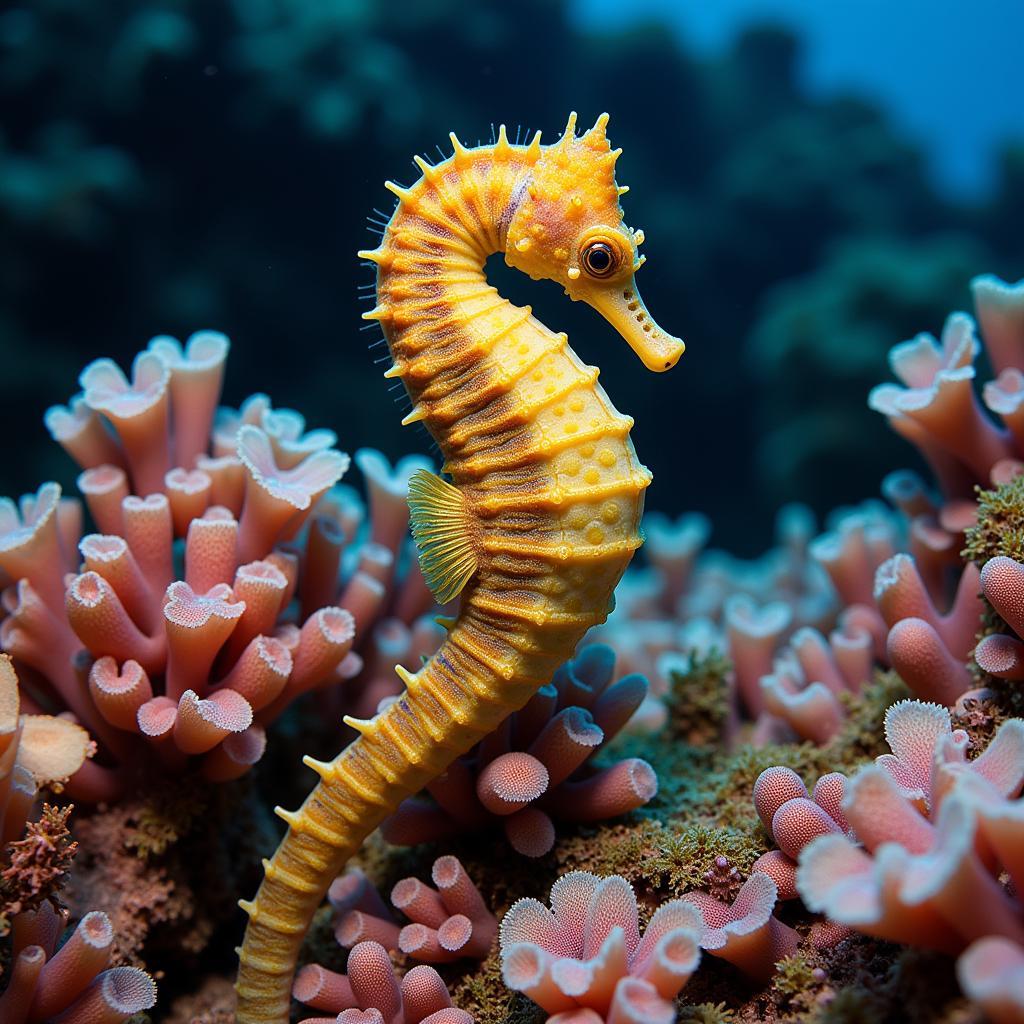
column 411, row 742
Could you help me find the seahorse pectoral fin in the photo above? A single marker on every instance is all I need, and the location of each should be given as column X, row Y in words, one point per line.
column 623, row 308
column 444, row 530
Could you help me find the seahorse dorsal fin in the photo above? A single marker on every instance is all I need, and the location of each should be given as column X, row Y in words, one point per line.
column 443, row 528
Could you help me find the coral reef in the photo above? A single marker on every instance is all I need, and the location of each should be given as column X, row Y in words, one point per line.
column 42, row 981
column 73, row 982
column 937, row 831
column 210, row 600
column 935, row 406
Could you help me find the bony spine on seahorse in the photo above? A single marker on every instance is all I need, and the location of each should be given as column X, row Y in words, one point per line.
column 542, row 513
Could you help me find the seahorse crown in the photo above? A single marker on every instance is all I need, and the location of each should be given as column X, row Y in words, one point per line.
column 568, row 227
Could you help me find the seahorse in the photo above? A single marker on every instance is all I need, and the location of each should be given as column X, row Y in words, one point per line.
column 541, row 510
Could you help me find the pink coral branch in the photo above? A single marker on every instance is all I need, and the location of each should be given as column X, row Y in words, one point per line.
column 577, row 955
column 753, row 635
column 197, row 372
column 105, row 488
column 113, row 997
column 746, row 933
column 82, row 434
column 235, row 755
column 111, row 558
column 991, row 974
column 263, row 587
column 1001, row 655
column 197, row 626
column 101, row 622
column 72, row 969
column 1000, row 309
column 138, row 411
column 924, row 663
column 119, row 693
column 30, row 544
column 388, row 490
column 188, row 493
column 261, row 673
column 211, row 550
column 278, row 500
column 616, row 790
column 1002, row 582
column 22, row 985
column 149, row 530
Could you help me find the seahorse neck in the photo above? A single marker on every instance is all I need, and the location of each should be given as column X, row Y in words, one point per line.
column 434, row 303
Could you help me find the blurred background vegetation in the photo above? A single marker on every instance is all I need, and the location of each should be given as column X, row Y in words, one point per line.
column 167, row 166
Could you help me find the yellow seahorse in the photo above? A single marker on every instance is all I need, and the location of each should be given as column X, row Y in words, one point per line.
column 543, row 511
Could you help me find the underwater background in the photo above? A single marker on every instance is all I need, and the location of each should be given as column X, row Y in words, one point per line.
column 824, row 583
column 816, row 181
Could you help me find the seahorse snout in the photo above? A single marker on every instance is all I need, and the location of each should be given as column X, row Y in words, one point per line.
column 623, row 308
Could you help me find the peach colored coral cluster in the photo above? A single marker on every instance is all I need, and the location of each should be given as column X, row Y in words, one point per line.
column 688, row 599
column 209, row 595
column 74, row 983
column 930, row 836
column 935, row 406
column 586, row 959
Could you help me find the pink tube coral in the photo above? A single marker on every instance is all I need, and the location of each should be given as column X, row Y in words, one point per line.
column 371, row 992
column 937, row 410
column 753, row 635
column 991, row 974
column 183, row 667
column 1002, row 583
column 793, row 819
column 75, row 984
column 587, row 953
column 535, row 768
column 809, row 676
column 449, row 921
column 928, row 649
column 72, row 984
column 933, row 828
column 746, row 932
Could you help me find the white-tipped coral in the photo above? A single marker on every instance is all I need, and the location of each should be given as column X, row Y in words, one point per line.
column 196, row 658
column 991, row 974
column 449, row 922
column 810, row 675
column 938, row 411
column 74, row 984
column 746, row 932
column 586, row 952
column 935, row 830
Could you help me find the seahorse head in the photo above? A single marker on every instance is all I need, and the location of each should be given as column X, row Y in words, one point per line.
column 568, row 227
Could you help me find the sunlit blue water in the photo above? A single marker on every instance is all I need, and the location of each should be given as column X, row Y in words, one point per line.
column 951, row 73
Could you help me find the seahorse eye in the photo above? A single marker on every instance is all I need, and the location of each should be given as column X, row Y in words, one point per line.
column 599, row 259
